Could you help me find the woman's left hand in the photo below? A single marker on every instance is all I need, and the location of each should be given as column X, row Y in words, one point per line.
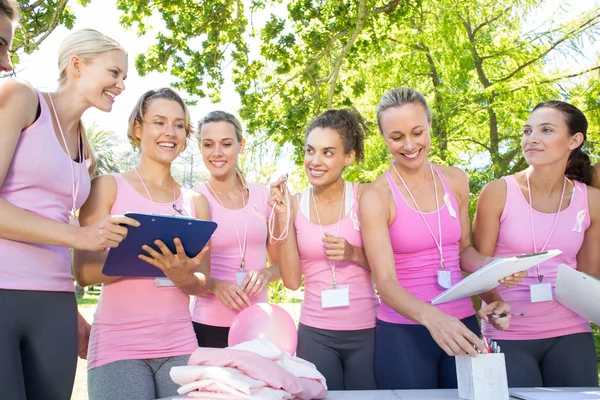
column 83, row 334
column 178, row 267
column 497, row 307
column 256, row 281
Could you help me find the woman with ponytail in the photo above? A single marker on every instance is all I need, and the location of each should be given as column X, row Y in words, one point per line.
column 547, row 206
column 45, row 167
column 324, row 245
column 241, row 243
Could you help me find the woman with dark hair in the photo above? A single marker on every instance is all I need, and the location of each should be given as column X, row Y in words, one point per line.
column 547, row 206
column 324, row 245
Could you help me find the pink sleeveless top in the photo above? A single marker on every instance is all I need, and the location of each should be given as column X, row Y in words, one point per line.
column 39, row 180
column 225, row 251
column 135, row 318
column 549, row 318
column 416, row 254
column 360, row 314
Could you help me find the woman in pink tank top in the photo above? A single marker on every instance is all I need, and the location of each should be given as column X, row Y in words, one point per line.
column 45, row 164
column 324, row 245
column 416, row 232
column 241, row 244
column 547, row 206
column 142, row 326
column 9, row 16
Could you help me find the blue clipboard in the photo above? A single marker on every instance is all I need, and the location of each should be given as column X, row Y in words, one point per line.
column 123, row 260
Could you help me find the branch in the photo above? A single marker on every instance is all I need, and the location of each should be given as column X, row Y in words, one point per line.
column 559, row 78
column 335, row 71
column 30, row 7
column 492, row 20
column 472, row 141
column 591, row 21
column 387, row 9
column 60, row 7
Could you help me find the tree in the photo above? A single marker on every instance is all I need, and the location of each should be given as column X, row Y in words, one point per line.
column 38, row 21
column 102, row 142
column 478, row 62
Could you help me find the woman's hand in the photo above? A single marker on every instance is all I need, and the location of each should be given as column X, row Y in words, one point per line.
column 256, row 281
column 230, row 294
column 338, row 248
column 514, row 279
column 83, row 334
column 106, row 233
column 496, row 308
column 178, row 267
column 278, row 197
column 453, row 336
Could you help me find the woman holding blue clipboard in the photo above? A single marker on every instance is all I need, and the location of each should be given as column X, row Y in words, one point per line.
column 241, row 243
column 142, row 326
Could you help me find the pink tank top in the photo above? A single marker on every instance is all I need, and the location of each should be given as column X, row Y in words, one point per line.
column 549, row 318
column 360, row 314
column 39, row 180
column 225, row 251
column 416, row 254
column 135, row 318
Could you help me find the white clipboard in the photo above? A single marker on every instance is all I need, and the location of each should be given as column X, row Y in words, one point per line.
column 487, row 277
column 579, row 292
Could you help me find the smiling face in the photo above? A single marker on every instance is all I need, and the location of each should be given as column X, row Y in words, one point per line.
column 220, row 147
column 405, row 130
column 546, row 138
column 100, row 79
column 324, row 157
column 7, row 30
column 162, row 132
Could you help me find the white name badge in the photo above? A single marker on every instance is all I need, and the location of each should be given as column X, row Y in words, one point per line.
column 239, row 277
column 338, row 296
column 540, row 292
column 444, row 278
column 163, row 282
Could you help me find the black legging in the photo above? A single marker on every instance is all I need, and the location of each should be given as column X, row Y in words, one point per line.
column 38, row 344
column 564, row 361
column 211, row 336
column 407, row 357
column 345, row 358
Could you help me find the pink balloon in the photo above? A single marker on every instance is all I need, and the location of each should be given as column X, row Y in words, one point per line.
column 265, row 321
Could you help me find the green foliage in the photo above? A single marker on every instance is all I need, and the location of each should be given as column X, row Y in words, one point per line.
column 478, row 63
column 39, row 19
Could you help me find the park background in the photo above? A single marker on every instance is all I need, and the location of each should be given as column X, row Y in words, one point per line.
column 482, row 64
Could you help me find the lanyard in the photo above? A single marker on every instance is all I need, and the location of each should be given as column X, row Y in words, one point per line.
column 241, row 244
column 331, row 263
column 75, row 189
column 437, row 205
column 148, row 192
column 539, row 275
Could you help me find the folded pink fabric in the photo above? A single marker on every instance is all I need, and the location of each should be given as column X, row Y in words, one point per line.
column 260, row 371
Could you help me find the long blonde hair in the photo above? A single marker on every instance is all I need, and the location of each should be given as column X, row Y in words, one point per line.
column 86, row 44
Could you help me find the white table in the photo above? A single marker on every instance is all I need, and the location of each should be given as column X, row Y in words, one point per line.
column 564, row 393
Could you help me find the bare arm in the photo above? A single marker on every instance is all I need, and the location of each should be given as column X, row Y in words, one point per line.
column 486, row 225
column 18, row 108
column 87, row 265
column 588, row 257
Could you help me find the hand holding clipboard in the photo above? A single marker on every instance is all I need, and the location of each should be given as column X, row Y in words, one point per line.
column 124, row 260
column 178, row 267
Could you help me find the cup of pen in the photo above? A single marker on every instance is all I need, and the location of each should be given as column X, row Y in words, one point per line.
column 482, row 377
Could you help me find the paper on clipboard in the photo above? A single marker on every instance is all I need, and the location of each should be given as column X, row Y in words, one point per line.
column 487, row 277
column 123, row 260
column 579, row 292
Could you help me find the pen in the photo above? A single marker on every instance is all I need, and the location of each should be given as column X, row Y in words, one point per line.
column 505, row 315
